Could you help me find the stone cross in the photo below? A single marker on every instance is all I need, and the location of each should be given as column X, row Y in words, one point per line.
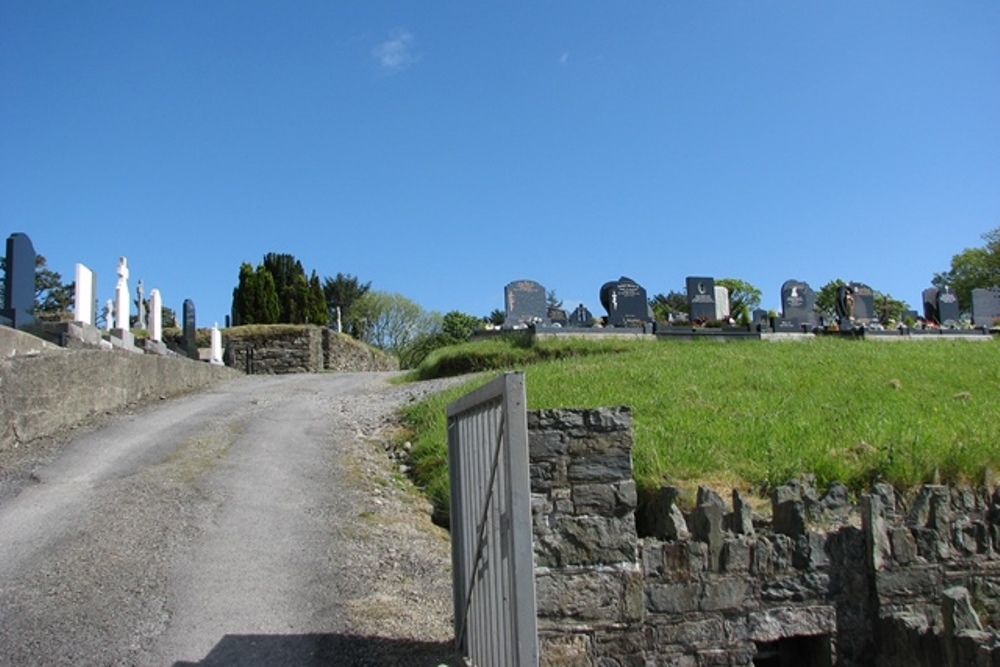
column 121, row 296
column 155, row 316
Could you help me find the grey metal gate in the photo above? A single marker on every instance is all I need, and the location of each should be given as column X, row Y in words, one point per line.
column 492, row 556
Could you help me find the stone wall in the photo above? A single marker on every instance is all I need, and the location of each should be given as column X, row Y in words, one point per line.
column 42, row 394
column 279, row 349
column 821, row 582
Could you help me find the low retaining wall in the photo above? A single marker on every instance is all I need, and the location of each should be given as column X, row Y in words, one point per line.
column 886, row 583
column 43, row 394
column 278, row 350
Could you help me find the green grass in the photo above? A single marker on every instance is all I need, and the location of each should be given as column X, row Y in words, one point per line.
column 755, row 414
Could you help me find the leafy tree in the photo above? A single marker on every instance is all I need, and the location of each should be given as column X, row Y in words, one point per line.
column 496, row 318
column 665, row 304
column 826, row 298
column 887, row 308
column 391, row 322
column 458, row 327
column 255, row 299
column 287, row 272
column 743, row 297
column 972, row 268
column 343, row 292
column 53, row 299
column 316, row 312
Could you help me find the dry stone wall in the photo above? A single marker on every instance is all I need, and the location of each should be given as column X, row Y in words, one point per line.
column 276, row 349
column 889, row 582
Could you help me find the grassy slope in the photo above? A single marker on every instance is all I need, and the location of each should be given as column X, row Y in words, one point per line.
column 754, row 414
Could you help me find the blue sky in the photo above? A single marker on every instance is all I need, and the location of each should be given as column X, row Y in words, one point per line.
column 443, row 149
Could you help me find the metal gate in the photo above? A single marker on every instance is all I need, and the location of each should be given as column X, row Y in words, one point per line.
column 492, row 555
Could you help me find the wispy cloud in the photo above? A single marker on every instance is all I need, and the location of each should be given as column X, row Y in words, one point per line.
column 396, row 53
column 564, row 58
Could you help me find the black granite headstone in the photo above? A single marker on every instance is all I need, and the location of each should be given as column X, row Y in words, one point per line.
column 19, row 281
column 947, row 308
column 759, row 316
column 581, row 317
column 626, row 303
column 797, row 301
column 930, row 297
column 701, row 298
column 985, row 306
column 525, row 304
column 864, row 303
column 786, row 325
column 190, row 330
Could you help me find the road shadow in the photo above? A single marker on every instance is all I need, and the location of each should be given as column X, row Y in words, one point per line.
column 325, row 649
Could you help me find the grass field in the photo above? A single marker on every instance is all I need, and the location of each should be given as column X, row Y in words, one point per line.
column 755, row 414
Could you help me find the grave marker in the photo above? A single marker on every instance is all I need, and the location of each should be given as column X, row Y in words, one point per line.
column 721, row 303
column 581, row 317
column 985, row 306
column 121, row 296
column 864, row 303
column 19, row 281
column 947, row 308
column 190, row 330
column 626, row 303
column 84, row 296
column 155, row 316
column 798, row 302
column 701, row 298
column 525, row 304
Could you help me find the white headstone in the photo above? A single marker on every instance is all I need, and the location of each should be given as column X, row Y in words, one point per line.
column 216, row 357
column 155, row 316
column 122, row 296
column 109, row 314
column 83, row 295
column 721, row 303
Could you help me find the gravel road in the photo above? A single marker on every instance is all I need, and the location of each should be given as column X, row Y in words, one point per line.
column 258, row 523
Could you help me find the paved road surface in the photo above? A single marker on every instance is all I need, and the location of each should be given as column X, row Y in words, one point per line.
column 205, row 530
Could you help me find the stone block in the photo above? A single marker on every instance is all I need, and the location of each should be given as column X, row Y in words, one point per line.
column 676, row 598
column 957, row 611
column 810, row 552
column 873, row 524
column 705, row 523
column 809, row 586
column 904, row 547
column 611, row 465
column 909, row 582
column 789, row 518
column 741, row 521
column 762, row 556
column 691, row 633
column 623, row 646
column 930, row 544
column 660, row 517
column 564, row 649
column 726, row 594
column 612, row 595
column 546, row 445
column 586, row 540
column 736, row 555
column 617, row 499
column 770, row 625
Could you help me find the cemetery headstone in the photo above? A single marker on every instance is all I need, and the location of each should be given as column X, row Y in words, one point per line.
column 701, row 298
column 721, row 303
column 985, row 306
column 155, row 316
column 931, row 305
column 19, row 281
column 190, row 330
column 121, row 296
column 864, row 303
column 947, row 308
column 581, row 317
column 759, row 316
column 84, row 296
column 557, row 316
column 525, row 304
column 216, row 355
column 626, row 303
column 798, row 301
